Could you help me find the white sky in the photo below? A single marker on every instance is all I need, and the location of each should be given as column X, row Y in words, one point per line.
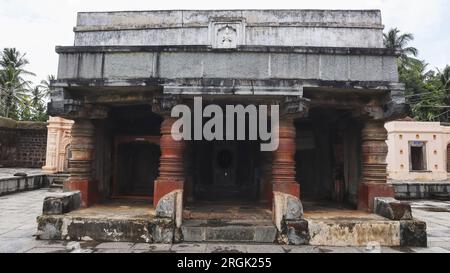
column 37, row 26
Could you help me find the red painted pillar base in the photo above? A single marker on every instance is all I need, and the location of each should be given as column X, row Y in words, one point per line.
column 87, row 189
column 164, row 187
column 368, row 191
column 171, row 170
column 287, row 188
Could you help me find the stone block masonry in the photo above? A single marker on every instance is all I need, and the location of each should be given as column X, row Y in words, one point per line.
column 22, row 144
column 410, row 190
column 31, row 148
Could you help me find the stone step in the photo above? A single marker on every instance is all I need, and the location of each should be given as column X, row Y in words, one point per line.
column 229, row 231
column 57, row 183
column 57, row 180
column 341, row 231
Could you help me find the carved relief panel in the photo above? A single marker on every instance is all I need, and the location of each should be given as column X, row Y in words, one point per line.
column 227, row 32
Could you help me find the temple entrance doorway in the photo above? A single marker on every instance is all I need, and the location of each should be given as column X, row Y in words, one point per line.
column 135, row 152
column 226, row 171
column 328, row 161
column 137, row 162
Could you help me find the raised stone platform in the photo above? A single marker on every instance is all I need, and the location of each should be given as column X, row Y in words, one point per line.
column 114, row 222
column 344, row 227
column 29, row 179
column 352, row 230
column 136, row 222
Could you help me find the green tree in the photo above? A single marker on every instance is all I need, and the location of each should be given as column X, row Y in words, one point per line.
column 399, row 41
column 426, row 90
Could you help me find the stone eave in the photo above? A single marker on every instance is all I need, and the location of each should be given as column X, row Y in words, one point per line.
column 226, row 83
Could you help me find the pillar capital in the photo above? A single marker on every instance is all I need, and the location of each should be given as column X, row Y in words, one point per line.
column 76, row 109
column 163, row 104
column 294, row 107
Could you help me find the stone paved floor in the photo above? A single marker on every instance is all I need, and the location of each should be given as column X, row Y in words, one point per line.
column 18, row 214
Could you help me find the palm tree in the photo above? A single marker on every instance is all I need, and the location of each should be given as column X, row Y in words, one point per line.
column 37, row 103
column 13, row 86
column 395, row 40
column 37, row 96
column 12, row 57
column 12, row 91
column 45, row 85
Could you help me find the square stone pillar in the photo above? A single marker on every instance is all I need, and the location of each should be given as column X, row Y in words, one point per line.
column 81, row 161
column 374, row 167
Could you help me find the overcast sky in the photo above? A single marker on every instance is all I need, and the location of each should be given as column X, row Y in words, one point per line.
column 36, row 27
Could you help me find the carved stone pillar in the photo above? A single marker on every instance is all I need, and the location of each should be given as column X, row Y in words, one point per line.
column 171, row 169
column 81, row 161
column 169, row 186
column 287, row 207
column 374, row 174
column 283, row 165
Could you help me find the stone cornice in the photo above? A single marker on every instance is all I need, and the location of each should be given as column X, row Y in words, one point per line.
column 247, row 49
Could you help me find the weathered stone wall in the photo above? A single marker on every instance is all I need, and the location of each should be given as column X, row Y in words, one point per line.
column 22, row 144
column 341, row 28
column 245, row 63
column 8, row 146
